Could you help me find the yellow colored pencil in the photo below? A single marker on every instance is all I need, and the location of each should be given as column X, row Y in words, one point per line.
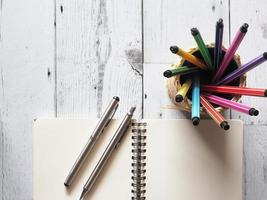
column 183, row 91
column 189, row 57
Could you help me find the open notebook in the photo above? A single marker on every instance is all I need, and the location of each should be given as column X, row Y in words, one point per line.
column 182, row 161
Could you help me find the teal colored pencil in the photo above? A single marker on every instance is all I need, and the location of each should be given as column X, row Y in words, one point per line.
column 202, row 48
column 195, row 115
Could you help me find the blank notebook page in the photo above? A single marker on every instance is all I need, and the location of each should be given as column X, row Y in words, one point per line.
column 183, row 161
column 194, row 163
column 56, row 145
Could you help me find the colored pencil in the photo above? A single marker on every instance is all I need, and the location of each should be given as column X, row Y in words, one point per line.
column 183, row 90
column 202, row 48
column 230, row 52
column 231, row 104
column 180, row 71
column 235, row 90
column 214, row 114
column 243, row 69
column 195, row 115
column 187, row 56
column 218, row 44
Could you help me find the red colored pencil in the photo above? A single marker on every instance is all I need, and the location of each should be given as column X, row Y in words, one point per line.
column 235, row 90
column 214, row 114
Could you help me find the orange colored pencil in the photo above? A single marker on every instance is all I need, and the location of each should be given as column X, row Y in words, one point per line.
column 214, row 114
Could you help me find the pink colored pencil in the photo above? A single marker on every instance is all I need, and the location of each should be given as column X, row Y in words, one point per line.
column 231, row 104
column 230, row 52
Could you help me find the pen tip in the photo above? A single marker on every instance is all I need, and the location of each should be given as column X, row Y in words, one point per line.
column 194, row 31
column 116, row 98
column 179, row 98
column 220, row 22
column 195, row 121
column 83, row 194
column 66, row 184
column 225, row 125
column 167, row 73
column 244, row 28
column 253, row 112
column 265, row 55
column 174, row 49
column 132, row 110
column 265, row 93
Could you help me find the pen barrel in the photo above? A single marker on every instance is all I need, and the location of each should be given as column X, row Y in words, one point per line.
column 242, row 70
column 215, row 115
column 229, row 55
column 229, row 104
column 104, row 120
column 235, row 90
column 195, row 99
column 108, row 151
column 218, row 44
column 204, row 51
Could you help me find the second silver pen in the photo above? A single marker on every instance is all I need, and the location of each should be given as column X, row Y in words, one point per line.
column 108, row 151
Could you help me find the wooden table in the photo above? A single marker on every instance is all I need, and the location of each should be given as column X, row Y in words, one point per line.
column 68, row 58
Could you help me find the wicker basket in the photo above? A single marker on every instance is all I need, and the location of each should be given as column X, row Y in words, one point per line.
column 174, row 84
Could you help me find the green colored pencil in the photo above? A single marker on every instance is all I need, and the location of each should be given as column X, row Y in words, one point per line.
column 202, row 48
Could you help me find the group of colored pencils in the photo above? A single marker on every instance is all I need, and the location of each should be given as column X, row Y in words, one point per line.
column 220, row 81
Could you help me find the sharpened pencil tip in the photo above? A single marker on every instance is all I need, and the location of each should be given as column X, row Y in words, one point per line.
column 174, row 49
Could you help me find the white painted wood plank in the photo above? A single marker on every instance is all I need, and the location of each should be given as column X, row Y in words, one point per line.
column 27, row 87
column 99, row 51
column 254, row 44
column 169, row 22
column 255, row 160
column 157, row 103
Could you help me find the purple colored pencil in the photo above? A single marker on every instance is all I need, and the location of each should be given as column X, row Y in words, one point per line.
column 243, row 69
column 231, row 52
column 231, row 104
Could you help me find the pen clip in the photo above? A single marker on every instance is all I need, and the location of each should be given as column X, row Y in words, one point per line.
column 115, row 109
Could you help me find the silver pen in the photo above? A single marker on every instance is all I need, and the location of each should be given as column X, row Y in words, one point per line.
column 103, row 122
column 108, row 151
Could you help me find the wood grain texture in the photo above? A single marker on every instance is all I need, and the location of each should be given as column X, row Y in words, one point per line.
column 99, row 55
column 255, row 160
column 27, row 88
column 156, row 100
column 253, row 45
column 168, row 22
column 68, row 58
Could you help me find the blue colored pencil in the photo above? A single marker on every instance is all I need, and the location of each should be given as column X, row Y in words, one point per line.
column 195, row 115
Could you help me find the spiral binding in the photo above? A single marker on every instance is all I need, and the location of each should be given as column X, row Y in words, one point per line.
column 138, row 158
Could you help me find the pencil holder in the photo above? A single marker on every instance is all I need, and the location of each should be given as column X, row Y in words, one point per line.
column 174, row 83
